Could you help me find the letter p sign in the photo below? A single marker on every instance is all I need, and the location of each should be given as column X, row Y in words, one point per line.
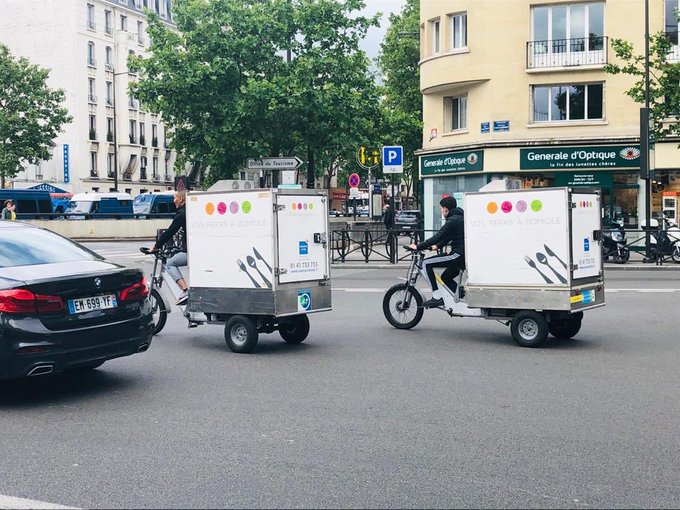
column 393, row 159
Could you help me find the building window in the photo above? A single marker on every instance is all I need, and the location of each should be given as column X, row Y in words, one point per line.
column 458, row 31
column 90, row 17
column 154, row 169
column 109, row 129
column 142, row 168
column 108, row 22
column 140, row 32
column 91, row 90
column 154, row 135
column 566, row 28
column 133, row 131
column 142, row 133
column 435, row 26
column 93, row 127
column 109, row 93
column 123, row 23
column 93, row 163
column 456, row 112
column 108, row 58
column 110, row 160
column 90, row 55
column 559, row 103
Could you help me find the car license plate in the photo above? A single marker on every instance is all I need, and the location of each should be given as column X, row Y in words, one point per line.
column 93, row 303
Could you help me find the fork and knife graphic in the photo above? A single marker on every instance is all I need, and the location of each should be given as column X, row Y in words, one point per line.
column 252, row 263
column 542, row 259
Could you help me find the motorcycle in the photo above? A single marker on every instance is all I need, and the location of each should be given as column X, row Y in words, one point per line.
column 614, row 243
column 665, row 243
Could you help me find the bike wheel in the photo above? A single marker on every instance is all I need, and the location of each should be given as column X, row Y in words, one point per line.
column 623, row 255
column 160, row 314
column 675, row 253
column 403, row 306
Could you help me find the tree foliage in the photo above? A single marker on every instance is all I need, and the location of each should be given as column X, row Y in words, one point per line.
column 31, row 114
column 664, row 83
column 403, row 104
column 259, row 78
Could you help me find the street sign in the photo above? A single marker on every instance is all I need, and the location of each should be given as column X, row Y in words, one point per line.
column 353, row 193
column 286, row 163
column 368, row 158
column 353, row 181
column 393, row 159
column 67, row 165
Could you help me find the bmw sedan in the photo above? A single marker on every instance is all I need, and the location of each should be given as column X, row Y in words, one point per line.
column 63, row 306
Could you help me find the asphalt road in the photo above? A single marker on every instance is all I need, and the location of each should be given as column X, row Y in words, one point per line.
column 450, row 414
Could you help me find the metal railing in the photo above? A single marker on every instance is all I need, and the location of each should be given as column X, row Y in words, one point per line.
column 579, row 51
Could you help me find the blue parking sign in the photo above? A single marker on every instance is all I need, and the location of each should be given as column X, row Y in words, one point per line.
column 393, row 159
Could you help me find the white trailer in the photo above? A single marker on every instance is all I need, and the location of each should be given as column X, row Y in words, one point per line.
column 533, row 261
column 258, row 262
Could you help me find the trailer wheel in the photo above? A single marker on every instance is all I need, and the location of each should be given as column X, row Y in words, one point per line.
column 566, row 328
column 403, row 306
column 529, row 328
column 294, row 330
column 160, row 314
column 240, row 333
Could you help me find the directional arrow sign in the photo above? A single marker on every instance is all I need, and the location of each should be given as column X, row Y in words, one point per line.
column 288, row 163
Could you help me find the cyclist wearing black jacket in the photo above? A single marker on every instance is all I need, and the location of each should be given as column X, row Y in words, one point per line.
column 179, row 223
column 452, row 233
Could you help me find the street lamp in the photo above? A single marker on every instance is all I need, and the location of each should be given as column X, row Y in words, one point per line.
column 645, row 160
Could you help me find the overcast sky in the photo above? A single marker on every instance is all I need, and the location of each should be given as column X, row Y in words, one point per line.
column 371, row 44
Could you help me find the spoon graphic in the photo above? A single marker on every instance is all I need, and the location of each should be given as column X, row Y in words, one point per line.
column 245, row 270
column 533, row 264
column 552, row 254
column 259, row 257
column 544, row 260
column 251, row 262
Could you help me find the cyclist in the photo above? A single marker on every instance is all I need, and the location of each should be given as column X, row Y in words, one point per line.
column 179, row 259
column 451, row 232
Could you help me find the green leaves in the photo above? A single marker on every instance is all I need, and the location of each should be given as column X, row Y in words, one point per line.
column 30, row 114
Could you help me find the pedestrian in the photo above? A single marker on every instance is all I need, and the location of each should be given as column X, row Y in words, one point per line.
column 179, row 259
column 388, row 216
column 451, row 233
column 9, row 211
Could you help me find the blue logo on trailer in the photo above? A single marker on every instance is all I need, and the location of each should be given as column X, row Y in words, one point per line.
column 304, row 248
column 304, row 300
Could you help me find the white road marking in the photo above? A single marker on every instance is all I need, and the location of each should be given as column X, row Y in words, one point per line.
column 9, row 502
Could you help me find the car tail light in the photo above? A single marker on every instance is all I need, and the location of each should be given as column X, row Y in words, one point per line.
column 135, row 292
column 24, row 301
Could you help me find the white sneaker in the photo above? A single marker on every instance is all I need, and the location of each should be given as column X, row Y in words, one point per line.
column 183, row 297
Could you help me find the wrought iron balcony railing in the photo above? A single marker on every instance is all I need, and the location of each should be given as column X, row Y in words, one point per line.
column 579, row 51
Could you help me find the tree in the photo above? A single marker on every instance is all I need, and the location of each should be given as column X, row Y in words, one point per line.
column 30, row 114
column 403, row 103
column 259, row 78
column 664, row 83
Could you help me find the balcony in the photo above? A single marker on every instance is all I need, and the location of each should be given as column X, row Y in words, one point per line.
column 142, row 140
column 133, row 104
column 167, row 178
column 92, row 62
column 142, row 174
column 92, row 98
column 154, row 142
column 109, row 175
column 91, row 25
column 109, row 136
column 577, row 52
column 109, row 101
column 155, row 178
column 133, row 139
column 93, row 174
column 93, row 135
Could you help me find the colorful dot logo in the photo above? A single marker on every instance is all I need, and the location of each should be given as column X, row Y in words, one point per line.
column 521, row 206
column 233, row 208
column 536, row 205
column 302, row 207
column 210, row 208
column 492, row 207
column 221, row 208
column 506, row 207
column 246, row 207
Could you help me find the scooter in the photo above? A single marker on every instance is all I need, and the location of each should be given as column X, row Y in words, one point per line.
column 665, row 243
column 614, row 243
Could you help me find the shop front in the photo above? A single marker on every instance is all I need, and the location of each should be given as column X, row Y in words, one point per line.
column 612, row 169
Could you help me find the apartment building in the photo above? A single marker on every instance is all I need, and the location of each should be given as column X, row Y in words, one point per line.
column 112, row 140
column 516, row 89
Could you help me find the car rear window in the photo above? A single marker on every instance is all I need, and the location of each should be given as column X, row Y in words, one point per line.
column 34, row 246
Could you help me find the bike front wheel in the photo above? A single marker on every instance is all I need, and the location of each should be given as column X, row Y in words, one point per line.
column 403, row 306
column 160, row 314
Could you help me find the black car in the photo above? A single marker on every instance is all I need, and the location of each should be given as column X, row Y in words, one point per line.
column 63, row 306
column 406, row 222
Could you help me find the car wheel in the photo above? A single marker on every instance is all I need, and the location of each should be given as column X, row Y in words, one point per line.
column 675, row 253
column 240, row 333
column 565, row 329
column 529, row 328
column 294, row 330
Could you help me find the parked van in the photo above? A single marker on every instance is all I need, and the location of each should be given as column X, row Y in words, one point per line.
column 31, row 204
column 100, row 205
column 154, row 205
column 60, row 202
